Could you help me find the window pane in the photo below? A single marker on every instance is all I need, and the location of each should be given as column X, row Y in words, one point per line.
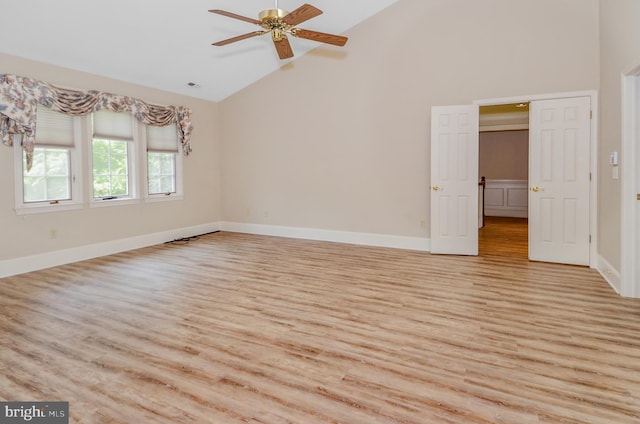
column 154, row 164
column 118, row 165
column 119, row 148
column 100, row 164
column 57, row 188
column 50, row 176
column 37, row 166
column 161, row 172
column 167, row 185
column 167, row 164
column 101, row 186
column 100, row 146
column 57, row 163
column 34, row 189
column 119, row 185
column 110, row 168
column 154, row 186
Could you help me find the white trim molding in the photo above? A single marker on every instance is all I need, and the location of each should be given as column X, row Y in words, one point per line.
column 25, row 264
column 365, row 239
column 630, row 184
column 610, row 274
column 36, row 262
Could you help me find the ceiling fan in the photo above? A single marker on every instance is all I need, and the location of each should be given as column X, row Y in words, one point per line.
column 279, row 23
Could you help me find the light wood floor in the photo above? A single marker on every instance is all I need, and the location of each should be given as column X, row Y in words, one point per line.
column 236, row 328
column 506, row 237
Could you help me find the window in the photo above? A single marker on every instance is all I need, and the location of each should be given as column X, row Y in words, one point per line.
column 106, row 157
column 164, row 163
column 161, row 173
column 113, row 156
column 110, row 168
column 51, row 181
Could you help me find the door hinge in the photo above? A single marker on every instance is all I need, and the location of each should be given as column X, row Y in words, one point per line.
column 589, row 176
column 590, row 114
column 589, row 238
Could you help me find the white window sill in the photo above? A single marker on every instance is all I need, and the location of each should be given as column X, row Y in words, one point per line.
column 155, row 198
column 46, row 208
column 100, row 203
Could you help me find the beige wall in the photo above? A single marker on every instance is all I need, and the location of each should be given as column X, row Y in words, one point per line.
column 504, row 155
column 30, row 234
column 620, row 52
column 340, row 139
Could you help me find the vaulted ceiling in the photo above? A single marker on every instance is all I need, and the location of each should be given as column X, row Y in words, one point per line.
column 165, row 44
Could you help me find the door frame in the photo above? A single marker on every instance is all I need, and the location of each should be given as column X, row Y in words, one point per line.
column 630, row 247
column 593, row 161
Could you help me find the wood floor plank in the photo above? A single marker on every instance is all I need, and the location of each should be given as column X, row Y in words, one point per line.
column 235, row 328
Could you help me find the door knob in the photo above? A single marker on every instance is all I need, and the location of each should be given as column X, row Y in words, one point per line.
column 435, row 188
column 536, row 189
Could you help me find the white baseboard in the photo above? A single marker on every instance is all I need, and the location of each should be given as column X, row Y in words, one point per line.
column 366, row 239
column 610, row 274
column 61, row 257
column 30, row 263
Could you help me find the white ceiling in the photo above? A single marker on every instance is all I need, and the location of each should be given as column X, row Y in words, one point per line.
column 164, row 44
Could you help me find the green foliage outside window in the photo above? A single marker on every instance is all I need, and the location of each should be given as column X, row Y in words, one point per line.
column 110, row 168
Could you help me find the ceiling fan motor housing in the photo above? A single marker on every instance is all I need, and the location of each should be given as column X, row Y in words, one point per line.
column 271, row 15
column 271, row 20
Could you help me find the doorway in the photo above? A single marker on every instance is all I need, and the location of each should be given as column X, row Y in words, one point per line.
column 504, row 174
column 552, row 235
column 592, row 155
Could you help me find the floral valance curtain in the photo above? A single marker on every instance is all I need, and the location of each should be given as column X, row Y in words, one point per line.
column 20, row 96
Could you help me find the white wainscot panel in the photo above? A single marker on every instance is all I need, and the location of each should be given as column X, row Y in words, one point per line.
column 506, row 198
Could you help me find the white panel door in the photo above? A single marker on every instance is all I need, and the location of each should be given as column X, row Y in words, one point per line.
column 454, row 179
column 559, row 154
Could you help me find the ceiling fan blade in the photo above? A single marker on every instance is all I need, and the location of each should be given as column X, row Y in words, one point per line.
column 301, row 14
column 234, row 16
column 283, row 47
column 238, row 38
column 336, row 40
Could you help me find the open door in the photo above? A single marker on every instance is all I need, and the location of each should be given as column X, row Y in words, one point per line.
column 454, row 179
column 559, row 179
